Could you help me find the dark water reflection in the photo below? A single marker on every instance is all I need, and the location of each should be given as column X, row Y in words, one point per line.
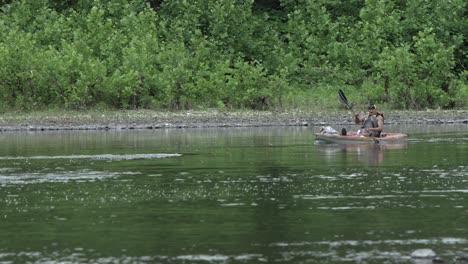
column 237, row 195
column 367, row 154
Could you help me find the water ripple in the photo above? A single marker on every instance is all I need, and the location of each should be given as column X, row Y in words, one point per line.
column 320, row 197
column 98, row 157
column 76, row 176
column 430, row 241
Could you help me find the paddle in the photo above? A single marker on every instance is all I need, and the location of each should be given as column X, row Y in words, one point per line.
column 344, row 101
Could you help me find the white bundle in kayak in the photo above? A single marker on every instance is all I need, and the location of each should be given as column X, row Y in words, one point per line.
column 328, row 130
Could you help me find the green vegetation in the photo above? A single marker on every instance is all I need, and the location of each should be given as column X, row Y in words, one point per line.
column 259, row 54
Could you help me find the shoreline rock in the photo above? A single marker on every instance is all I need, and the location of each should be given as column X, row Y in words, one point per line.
column 147, row 119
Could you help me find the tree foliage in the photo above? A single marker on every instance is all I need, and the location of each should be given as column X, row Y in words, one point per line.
column 229, row 53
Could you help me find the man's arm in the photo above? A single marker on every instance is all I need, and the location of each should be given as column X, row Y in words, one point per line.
column 357, row 119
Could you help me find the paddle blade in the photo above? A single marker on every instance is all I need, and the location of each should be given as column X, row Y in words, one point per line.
column 343, row 99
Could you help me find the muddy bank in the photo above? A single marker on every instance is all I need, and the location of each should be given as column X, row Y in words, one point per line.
column 145, row 119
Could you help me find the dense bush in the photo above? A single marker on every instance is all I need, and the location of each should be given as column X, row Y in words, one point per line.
column 183, row 54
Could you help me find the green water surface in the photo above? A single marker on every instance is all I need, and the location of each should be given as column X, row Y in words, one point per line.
column 231, row 195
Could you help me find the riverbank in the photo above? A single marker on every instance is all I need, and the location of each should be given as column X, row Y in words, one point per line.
column 148, row 119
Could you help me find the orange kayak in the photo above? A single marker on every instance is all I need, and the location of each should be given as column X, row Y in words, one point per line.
column 355, row 138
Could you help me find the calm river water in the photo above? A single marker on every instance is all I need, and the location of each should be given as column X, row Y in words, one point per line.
column 234, row 195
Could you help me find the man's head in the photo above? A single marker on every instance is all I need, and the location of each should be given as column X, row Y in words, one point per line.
column 372, row 108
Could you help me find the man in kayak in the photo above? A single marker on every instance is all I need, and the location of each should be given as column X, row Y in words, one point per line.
column 372, row 124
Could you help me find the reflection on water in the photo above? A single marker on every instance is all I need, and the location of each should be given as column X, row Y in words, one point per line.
column 250, row 195
column 366, row 153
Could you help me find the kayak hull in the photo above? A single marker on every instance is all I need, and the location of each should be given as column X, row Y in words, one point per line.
column 354, row 138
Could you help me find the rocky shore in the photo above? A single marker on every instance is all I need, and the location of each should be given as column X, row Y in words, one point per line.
column 147, row 119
